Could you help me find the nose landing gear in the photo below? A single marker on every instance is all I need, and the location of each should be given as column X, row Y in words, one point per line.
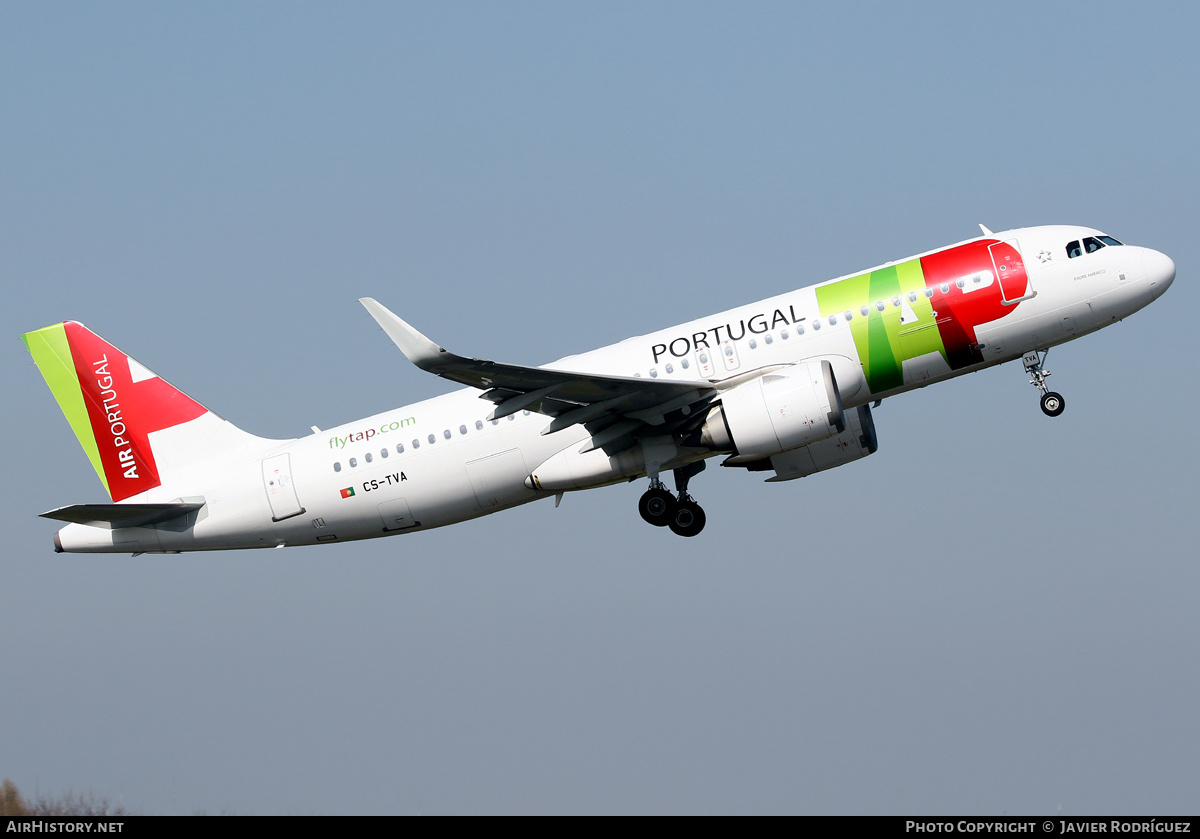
column 662, row 509
column 1052, row 403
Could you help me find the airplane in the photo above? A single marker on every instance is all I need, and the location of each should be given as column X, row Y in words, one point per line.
column 783, row 386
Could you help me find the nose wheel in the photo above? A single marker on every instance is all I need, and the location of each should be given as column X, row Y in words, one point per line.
column 1034, row 361
column 1053, row 403
column 660, row 508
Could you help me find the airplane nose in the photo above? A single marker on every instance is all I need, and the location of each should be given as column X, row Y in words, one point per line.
column 1159, row 269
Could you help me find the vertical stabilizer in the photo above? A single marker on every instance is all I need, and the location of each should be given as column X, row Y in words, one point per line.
column 134, row 427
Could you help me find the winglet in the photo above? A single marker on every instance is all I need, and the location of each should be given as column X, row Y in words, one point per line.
column 416, row 347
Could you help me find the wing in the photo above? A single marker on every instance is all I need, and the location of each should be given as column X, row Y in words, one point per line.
column 614, row 409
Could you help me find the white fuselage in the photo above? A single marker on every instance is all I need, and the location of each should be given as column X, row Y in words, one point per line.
column 441, row 461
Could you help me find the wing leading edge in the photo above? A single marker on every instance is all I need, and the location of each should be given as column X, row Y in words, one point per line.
column 614, row 409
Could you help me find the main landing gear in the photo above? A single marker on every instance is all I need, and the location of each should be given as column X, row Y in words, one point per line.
column 662, row 509
column 1052, row 403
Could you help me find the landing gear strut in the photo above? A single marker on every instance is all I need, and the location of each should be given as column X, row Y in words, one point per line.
column 680, row 513
column 1052, row 403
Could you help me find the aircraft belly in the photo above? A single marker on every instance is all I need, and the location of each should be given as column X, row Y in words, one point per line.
column 1119, row 302
column 923, row 369
column 498, row 480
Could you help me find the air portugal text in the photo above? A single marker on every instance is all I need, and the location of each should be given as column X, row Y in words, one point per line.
column 112, row 412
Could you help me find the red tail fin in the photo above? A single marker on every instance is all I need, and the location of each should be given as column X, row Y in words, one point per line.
column 112, row 402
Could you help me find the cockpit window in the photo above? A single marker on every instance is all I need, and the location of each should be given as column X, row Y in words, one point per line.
column 1108, row 240
column 1092, row 244
column 1073, row 250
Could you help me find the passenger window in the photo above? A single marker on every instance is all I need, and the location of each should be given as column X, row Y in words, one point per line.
column 784, row 334
column 337, row 467
column 945, row 288
column 912, row 297
column 383, row 452
column 1092, row 245
column 431, row 439
column 928, row 292
column 895, row 301
column 654, row 372
column 769, row 339
column 367, row 457
column 671, row 369
column 753, row 344
column 833, row 320
column 816, row 325
column 462, row 429
column 849, row 316
column 416, row 444
column 399, row 448
column 1073, row 250
column 353, row 463
column 446, row 434
column 864, row 311
column 959, row 282
column 684, row 364
column 478, row 425
column 880, row 306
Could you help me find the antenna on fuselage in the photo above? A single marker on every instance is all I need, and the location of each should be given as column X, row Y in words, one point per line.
column 986, row 232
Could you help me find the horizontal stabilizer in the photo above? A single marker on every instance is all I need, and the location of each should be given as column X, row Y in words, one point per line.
column 112, row 516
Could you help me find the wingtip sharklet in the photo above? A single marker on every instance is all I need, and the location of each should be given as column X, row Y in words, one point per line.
column 416, row 347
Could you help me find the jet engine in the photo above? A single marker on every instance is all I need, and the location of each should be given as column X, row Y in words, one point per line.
column 857, row 441
column 776, row 412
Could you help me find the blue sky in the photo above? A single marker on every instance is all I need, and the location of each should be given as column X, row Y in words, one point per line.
column 994, row 613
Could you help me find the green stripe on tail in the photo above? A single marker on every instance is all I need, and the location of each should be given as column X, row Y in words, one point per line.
column 52, row 354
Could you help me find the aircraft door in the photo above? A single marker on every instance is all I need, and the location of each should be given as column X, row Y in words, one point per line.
column 1010, row 271
column 281, row 492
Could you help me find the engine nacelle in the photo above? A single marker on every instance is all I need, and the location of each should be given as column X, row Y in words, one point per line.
column 776, row 412
column 858, row 440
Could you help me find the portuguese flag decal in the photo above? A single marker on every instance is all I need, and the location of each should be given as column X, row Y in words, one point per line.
column 348, row 492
